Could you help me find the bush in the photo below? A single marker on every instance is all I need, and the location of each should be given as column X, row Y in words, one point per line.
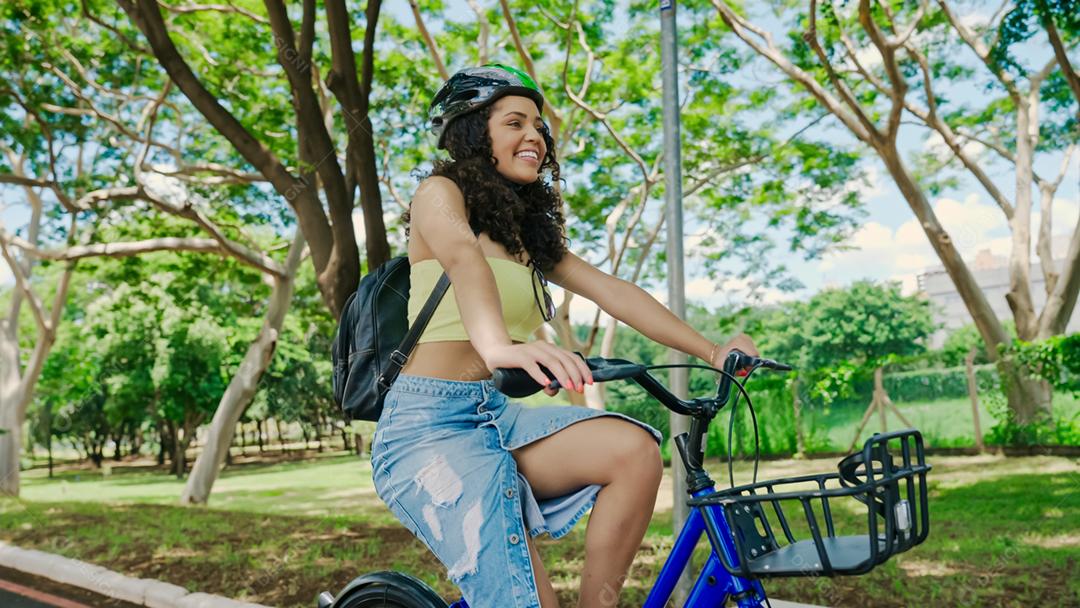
column 1056, row 360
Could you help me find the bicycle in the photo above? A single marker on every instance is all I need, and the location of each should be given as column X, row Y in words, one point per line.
column 886, row 480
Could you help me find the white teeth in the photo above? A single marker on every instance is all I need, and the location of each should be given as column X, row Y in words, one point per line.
column 528, row 154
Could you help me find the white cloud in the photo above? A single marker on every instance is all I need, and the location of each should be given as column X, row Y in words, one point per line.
column 909, row 283
column 6, row 278
column 974, row 223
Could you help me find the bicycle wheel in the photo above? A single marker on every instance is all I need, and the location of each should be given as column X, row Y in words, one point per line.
column 390, row 590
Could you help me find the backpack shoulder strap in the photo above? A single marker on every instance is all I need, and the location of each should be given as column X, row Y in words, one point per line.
column 400, row 356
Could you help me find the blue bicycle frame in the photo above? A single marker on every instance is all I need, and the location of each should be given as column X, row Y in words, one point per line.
column 714, row 585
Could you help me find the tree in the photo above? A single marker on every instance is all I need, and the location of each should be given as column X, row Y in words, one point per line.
column 922, row 68
column 302, row 167
column 861, row 324
column 87, row 143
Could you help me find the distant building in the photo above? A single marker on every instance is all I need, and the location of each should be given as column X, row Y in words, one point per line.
column 992, row 275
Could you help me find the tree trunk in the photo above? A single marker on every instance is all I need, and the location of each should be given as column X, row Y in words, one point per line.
column 280, row 435
column 1029, row 398
column 973, row 393
column 16, row 389
column 796, row 406
column 259, row 433
column 48, row 446
column 10, row 431
column 243, row 385
column 318, row 433
column 174, row 448
column 10, row 423
column 161, row 444
column 607, row 348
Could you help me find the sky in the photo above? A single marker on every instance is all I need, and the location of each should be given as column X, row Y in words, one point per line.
column 889, row 245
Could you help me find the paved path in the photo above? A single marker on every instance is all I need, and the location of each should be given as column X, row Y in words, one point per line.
column 21, row 590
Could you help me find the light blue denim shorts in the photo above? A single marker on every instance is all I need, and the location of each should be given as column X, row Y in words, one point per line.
column 441, row 461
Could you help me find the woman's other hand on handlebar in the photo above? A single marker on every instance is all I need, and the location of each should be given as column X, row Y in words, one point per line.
column 568, row 368
column 741, row 342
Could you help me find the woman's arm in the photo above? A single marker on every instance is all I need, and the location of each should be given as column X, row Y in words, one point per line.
column 635, row 307
column 438, row 215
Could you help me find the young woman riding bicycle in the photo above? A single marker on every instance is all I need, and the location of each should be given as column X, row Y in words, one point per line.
column 473, row 475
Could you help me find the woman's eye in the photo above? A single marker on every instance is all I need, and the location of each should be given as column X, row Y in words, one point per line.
column 514, row 123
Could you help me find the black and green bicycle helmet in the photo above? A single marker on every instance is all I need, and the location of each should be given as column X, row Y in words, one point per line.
column 474, row 88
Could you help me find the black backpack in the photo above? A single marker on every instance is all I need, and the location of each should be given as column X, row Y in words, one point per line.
column 374, row 340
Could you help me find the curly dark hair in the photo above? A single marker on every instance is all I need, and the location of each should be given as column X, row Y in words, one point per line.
column 521, row 217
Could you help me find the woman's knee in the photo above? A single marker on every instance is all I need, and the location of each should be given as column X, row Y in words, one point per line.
column 639, row 456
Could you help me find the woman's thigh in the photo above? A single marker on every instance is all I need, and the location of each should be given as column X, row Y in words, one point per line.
column 593, row 451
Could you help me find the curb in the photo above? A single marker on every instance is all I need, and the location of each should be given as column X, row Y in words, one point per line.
column 139, row 591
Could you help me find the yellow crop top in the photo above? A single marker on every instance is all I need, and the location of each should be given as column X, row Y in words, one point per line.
column 520, row 312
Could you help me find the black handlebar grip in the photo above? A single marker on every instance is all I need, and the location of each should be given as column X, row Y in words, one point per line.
column 517, row 383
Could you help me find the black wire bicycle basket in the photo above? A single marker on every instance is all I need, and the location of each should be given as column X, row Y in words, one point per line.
column 842, row 523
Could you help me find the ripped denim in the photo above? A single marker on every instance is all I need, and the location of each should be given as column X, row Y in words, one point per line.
column 441, row 462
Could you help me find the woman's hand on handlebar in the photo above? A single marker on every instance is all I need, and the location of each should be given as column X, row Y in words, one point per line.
column 741, row 342
column 568, row 368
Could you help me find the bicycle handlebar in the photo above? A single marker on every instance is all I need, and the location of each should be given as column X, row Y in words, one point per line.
column 517, row 383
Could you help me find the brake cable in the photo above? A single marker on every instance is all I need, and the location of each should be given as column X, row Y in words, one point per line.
column 731, row 427
column 731, row 417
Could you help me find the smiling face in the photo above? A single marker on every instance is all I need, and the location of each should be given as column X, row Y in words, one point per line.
column 517, row 145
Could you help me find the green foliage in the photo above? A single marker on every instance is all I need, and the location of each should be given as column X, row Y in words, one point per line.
column 961, row 340
column 1057, row 361
column 839, row 335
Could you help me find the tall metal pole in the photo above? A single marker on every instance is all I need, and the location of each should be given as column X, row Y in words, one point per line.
column 676, row 293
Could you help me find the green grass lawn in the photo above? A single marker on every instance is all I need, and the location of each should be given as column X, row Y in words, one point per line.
column 943, row 422
column 1004, row 532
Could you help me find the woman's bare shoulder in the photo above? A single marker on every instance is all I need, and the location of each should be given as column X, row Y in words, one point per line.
column 437, row 185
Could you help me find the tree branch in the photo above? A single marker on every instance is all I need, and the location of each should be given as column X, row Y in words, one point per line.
column 1044, row 246
column 115, row 250
column 1071, row 75
column 27, row 182
column 981, row 51
column 888, row 58
column 810, row 37
column 934, row 121
column 128, row 42
column 485, row 30
column 256, row 259
column 147, row 16
column 530, row 68
column 768, row 50
column 429, row 42
column 23, row 283
column 1061, row 302
column 217, row 8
